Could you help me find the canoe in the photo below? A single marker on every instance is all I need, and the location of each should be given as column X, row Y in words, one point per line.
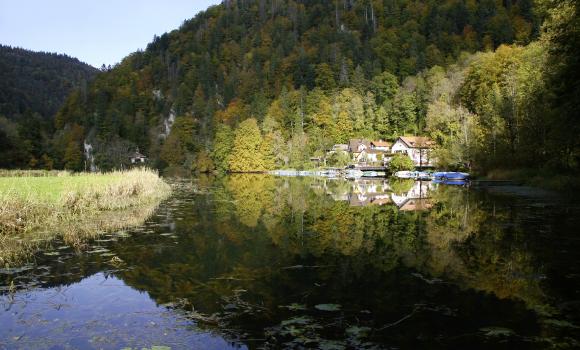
column 450, row 175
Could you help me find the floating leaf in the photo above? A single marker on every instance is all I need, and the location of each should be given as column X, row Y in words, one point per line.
column 331, row 345
column 328, row 307
column 294, row 307
column 561, row 323
column 497, row 331
column 97, row 251
column 296, row 320
column 357, row 331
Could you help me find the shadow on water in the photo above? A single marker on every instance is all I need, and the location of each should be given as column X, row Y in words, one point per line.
column 252, row 261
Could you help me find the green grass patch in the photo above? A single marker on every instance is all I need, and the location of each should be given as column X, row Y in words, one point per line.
column 51, row 189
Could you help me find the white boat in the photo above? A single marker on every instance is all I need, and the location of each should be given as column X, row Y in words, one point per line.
column 373, row 174
column 405, row 174
column 422, row 175
column 353, row 174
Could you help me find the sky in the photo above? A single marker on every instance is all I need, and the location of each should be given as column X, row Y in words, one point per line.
column 94, row 31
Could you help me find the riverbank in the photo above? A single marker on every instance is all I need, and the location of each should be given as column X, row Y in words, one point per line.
column 547, row 180
column 35, row 209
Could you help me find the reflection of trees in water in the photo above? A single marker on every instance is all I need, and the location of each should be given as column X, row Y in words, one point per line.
column 459, row 237
column 251, row 194
column 250, row 245
column 471, row 243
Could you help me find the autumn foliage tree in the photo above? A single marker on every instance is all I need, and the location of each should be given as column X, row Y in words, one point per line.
column 247, row 153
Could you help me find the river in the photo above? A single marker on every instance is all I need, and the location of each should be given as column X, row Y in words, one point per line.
column 255, row 261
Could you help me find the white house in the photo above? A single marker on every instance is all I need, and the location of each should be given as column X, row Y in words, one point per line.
column 137, row 158
column 418, row 148
column 358, row 148
column 381, row 146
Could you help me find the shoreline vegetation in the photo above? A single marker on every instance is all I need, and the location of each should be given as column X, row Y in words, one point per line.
column 38, row 207
column 563, row 183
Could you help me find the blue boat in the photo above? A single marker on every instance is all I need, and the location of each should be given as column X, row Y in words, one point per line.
column 450, row 175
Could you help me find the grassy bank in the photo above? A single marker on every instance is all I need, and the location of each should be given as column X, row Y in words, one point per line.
column 549, row 180
column 36, row 209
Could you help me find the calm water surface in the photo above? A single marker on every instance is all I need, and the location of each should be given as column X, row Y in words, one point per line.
column 249, row 262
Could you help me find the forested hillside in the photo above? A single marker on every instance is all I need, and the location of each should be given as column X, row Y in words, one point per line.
column 252, row 85
column 33, row 86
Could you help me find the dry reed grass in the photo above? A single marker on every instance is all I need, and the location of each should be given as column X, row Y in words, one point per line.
column 76, row 207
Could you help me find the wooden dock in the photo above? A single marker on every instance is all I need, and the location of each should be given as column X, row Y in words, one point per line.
column 372, row 168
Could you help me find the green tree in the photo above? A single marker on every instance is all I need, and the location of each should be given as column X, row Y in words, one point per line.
column 223, row 143
column 401, row 162
column 73, row 157
column 325, row 77
column 202, row 163
column 172, row 151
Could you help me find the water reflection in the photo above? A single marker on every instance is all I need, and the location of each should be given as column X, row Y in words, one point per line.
column 98, row 312
column 302, row 262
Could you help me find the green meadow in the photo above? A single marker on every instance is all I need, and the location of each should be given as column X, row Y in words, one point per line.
column 50, row 189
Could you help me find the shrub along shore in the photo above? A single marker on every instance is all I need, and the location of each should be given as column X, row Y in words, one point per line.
column 38, row 208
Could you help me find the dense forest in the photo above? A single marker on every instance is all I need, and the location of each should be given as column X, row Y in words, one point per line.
column 258, row 84
column 33, row 86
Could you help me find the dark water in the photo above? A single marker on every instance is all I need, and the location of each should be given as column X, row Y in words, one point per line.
column 247, row 262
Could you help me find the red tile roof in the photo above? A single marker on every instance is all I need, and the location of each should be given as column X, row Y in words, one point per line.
column 418, row 141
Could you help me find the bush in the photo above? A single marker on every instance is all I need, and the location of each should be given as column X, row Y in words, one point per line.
column 401, row 162
column 203, row 163
column 339, row 159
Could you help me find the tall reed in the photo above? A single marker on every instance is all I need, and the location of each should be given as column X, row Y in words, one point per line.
column 76, row 207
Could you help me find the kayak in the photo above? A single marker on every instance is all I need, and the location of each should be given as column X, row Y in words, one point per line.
column 450, row 175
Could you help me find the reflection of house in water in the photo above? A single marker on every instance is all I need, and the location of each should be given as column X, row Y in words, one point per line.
column 381, row 199
column 369, row 192
column 361, row 192
column 415, row 204
column 364, row 192
column 417, row 198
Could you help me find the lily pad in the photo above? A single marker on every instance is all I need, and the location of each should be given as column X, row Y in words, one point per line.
column 497, row 331
column 561, row 323
column 51, row 253
column 331, row 345
column 295, row 320
column 294, row 307
column 328, row 307
column 358, row 332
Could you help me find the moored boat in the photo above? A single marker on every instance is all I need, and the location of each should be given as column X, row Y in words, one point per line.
column 353, row 174
column 451, row 182
column 423, row 175
column 373, row 174
column 450, row 175
column 405, row 174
